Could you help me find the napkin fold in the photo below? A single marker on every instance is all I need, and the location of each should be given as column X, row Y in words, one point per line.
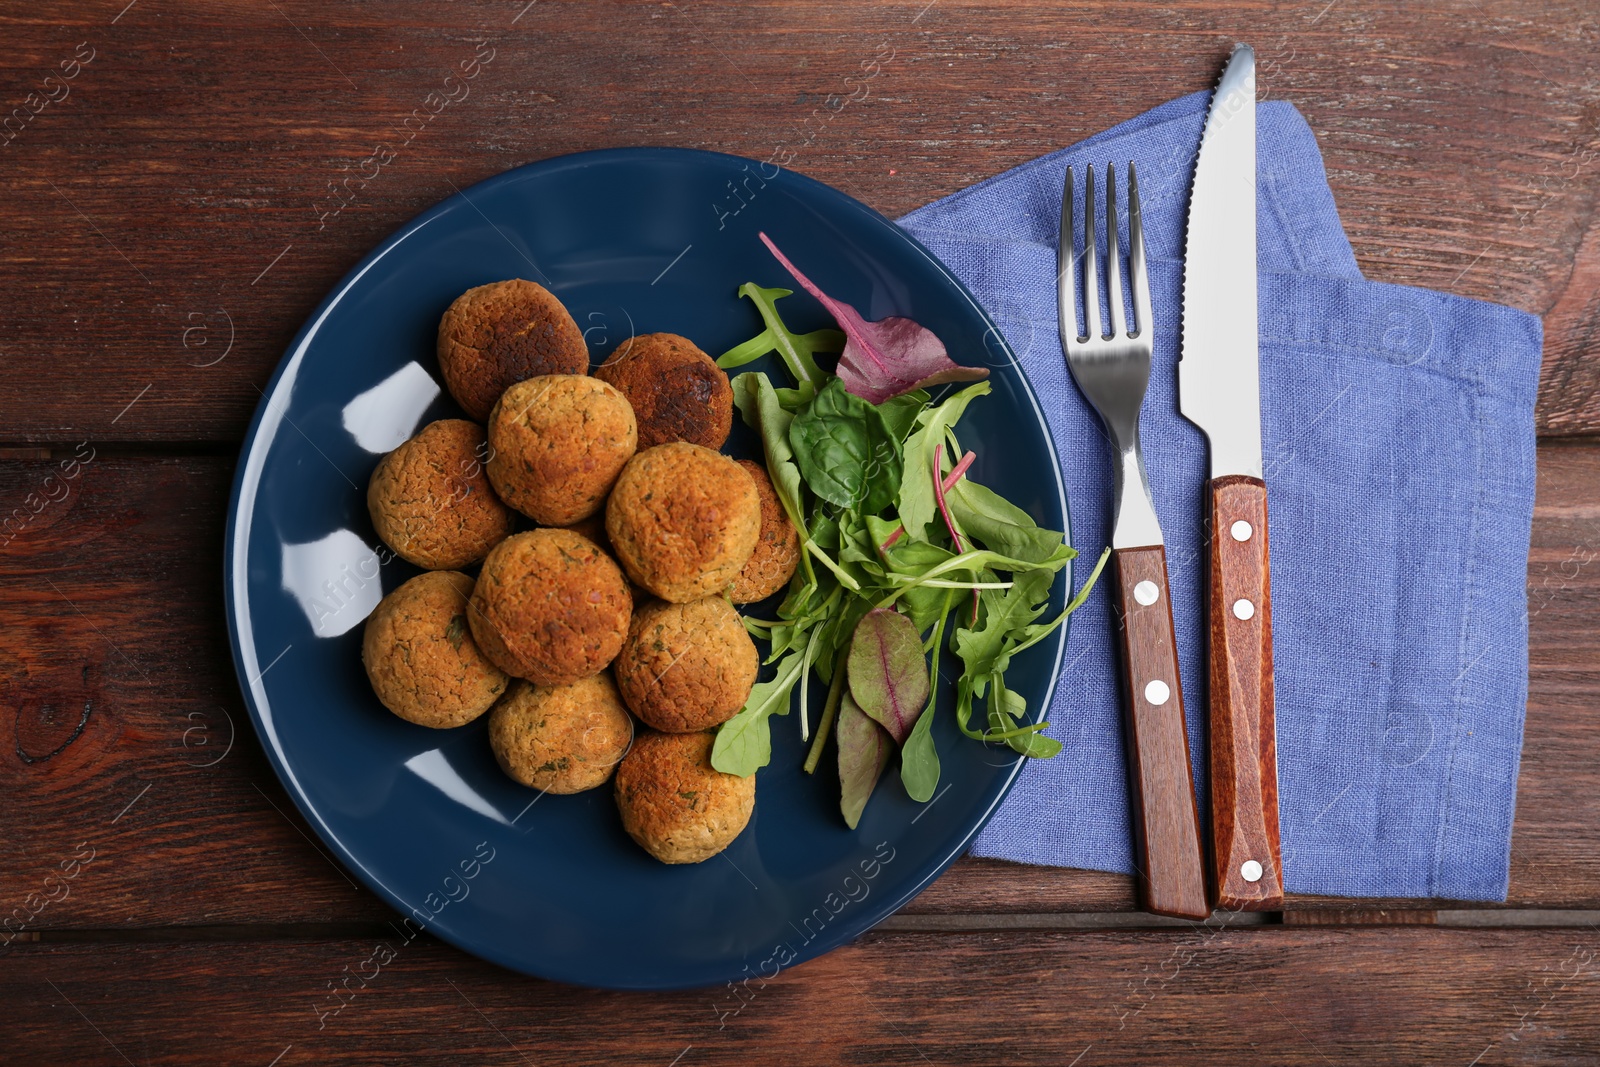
column 1398, row 441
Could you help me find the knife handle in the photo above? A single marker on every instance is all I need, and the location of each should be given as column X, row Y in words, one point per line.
column 1247, row 864
column 1166, row 826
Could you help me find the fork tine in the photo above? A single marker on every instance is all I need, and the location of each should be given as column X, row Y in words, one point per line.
column 1138, row 273
column 1067, row 268
column 1091, row 266
column 1113, row 256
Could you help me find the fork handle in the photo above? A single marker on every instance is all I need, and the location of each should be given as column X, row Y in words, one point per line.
column 1171, row 871
column 1246, row 860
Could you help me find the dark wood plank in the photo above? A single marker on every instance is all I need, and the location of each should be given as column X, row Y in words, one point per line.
column 1555, row 805
column 120, row 704
column 118, row 690
column 1282, row 995
column 180, row 196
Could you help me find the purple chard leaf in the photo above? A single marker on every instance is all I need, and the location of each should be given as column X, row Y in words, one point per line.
column 885, row 358
column 864, row 751
column 887, row 671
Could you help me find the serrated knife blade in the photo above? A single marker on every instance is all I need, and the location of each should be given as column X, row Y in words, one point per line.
column 1218, row 376
column 1219, row 390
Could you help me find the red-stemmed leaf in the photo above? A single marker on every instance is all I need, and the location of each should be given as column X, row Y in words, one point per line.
column 885, row 358
column 887, row 671
column 864, row 750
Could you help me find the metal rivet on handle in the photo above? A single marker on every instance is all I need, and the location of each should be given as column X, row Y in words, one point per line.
column 1250, row 871
column 1241, row 530
column 1243, row 609
column 1157, row 692
column 1146, row 593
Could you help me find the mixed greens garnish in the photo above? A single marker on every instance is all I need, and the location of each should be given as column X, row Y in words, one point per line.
column 903, row 557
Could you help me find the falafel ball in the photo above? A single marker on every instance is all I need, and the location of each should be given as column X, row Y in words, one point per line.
column 564, row 738
column 431, row 502
column 421, row 658
column 677, row 806
column 777, row 551
column 550, row 607
column 678, row 392
column 498, row 334
column 557, row 444
column 683, row 520
column 686, row 667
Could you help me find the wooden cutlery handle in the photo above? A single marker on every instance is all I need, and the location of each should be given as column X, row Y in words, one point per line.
column 1171, row 870
column 1246, row 860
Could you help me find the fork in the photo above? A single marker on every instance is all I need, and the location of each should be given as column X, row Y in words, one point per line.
column 1112, row 370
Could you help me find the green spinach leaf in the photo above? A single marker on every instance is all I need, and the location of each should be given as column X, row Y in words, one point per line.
column 846, row 451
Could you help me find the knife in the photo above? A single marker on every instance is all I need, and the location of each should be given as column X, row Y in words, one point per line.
column 1219, row 391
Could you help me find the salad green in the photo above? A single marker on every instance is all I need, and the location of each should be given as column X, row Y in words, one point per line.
column 903, row 558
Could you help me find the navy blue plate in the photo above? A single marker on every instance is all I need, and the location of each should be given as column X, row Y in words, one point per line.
column 632, row 240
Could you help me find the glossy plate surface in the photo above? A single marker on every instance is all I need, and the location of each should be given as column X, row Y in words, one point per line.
column 632, row 240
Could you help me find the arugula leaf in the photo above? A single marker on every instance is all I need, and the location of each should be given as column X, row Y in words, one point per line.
column 1007, row 707
column 744, row 743
column 1000, row 524
column 798, row 350
column 984, row 648
column 846, row 451
column 864, row 751
column 917, row 504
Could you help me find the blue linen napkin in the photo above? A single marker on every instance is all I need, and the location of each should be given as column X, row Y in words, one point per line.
column 1397, row 432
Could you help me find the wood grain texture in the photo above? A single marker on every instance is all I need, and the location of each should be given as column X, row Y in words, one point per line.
column 1168, row 853
column 181, row 200
column 1283, row 995
column 109, row 602
column 172, row 221
column 1241, row 725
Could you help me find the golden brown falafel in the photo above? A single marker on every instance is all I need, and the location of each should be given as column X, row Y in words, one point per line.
column 561, row 739
column 686, row 667
column 431, row 502
column 421, row 658
column 499, row 334
column 677, row 806
column 777, row 551
column 557, row 444
column 678, row 392
column 550, row 607
column 683, row 520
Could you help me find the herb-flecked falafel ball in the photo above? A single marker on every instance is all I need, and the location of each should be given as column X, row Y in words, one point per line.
column 683, row 520
column 777, row 551
column 678, row 392
column 564, row 738
column 686, row 667
column 431, row 502
column 678, row 807
column 495, row 335
column 557, row 444
column 420, row 656
column 550, row 607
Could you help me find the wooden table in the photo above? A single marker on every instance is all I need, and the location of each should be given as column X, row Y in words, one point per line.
column 177, row 202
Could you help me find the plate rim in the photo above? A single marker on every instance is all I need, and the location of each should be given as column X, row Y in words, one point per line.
column 251, row 460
